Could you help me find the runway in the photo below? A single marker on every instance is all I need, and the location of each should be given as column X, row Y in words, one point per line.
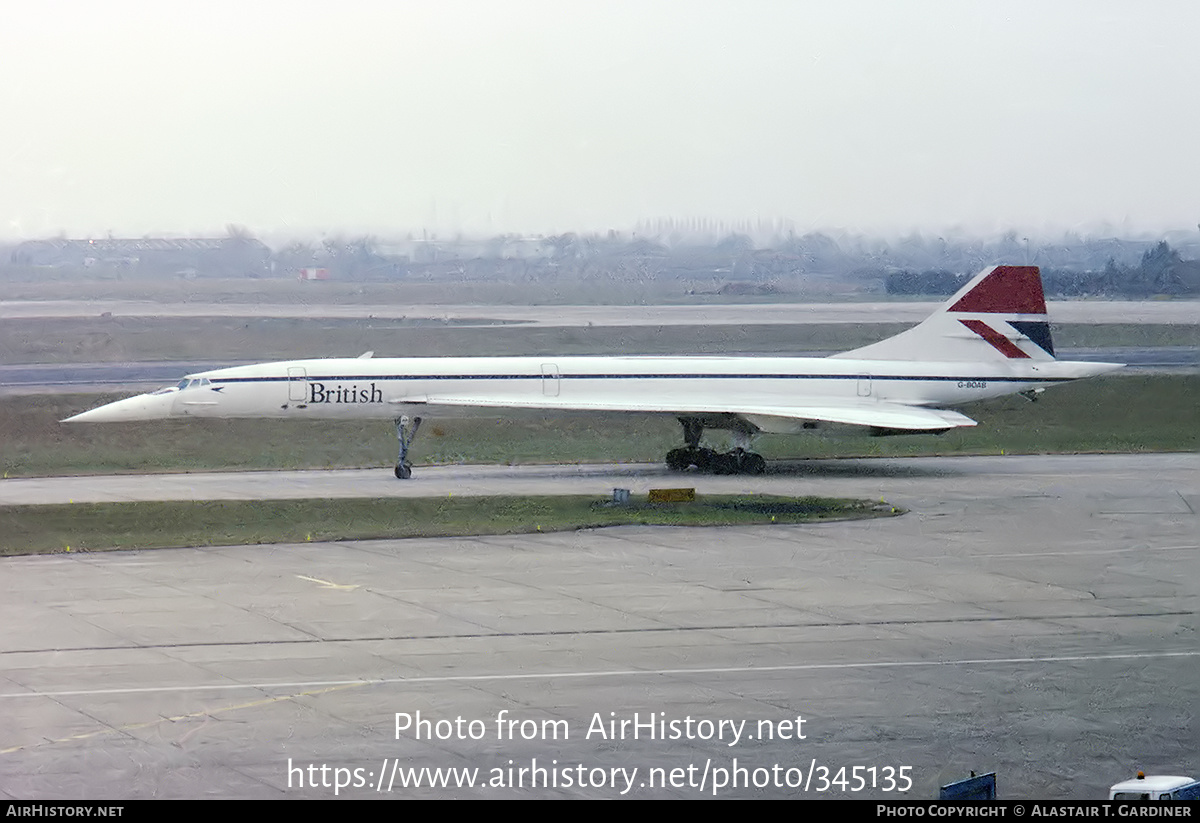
column 1035, row 616
column 737, row 314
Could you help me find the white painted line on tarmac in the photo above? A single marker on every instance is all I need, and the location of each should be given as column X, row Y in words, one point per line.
column 475, row 678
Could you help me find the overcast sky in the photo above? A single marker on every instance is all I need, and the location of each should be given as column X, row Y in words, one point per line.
column 305, row 116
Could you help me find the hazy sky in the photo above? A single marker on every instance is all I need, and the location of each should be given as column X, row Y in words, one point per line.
column 295, row 117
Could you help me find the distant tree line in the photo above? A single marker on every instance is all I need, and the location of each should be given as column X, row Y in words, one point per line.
column 916, row 264
column 1160, row 271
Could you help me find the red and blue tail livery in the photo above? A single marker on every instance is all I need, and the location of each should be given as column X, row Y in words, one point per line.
column 1001, row 312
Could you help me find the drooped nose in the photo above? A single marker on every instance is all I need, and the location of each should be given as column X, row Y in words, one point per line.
column 154, row 406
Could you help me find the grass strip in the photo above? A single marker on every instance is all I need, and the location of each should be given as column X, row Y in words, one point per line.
column 1111, row 414
column 152, row 525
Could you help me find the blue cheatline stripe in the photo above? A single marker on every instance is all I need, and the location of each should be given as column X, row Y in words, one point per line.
column 539, row 376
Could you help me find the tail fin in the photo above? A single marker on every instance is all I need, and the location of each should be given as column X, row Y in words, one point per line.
column 1001, row 313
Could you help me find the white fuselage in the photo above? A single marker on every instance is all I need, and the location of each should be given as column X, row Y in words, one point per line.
column 389, row 387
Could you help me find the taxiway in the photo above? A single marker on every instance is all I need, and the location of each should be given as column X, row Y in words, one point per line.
column 1036, row 616
column 737, row 314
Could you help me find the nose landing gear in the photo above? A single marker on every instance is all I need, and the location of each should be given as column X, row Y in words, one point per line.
column 405, row 434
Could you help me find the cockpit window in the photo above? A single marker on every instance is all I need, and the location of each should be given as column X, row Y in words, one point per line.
column 185, row 383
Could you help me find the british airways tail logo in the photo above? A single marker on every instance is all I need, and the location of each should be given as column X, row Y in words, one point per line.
column 1037, row 331
column 998, row 341
column 339, row 393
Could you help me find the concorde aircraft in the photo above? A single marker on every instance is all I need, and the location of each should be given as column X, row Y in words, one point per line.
column 990, row 339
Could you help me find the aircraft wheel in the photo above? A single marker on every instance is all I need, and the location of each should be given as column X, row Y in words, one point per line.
column 678, row 460
column 754, row 464
column 403, row 471
column 724, row 464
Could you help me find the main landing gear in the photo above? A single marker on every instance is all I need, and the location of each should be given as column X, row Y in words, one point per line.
column 405, row 434
column 738, row 461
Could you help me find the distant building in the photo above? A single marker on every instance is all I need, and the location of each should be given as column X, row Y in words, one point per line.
column 233, row 256
column 503, row 247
